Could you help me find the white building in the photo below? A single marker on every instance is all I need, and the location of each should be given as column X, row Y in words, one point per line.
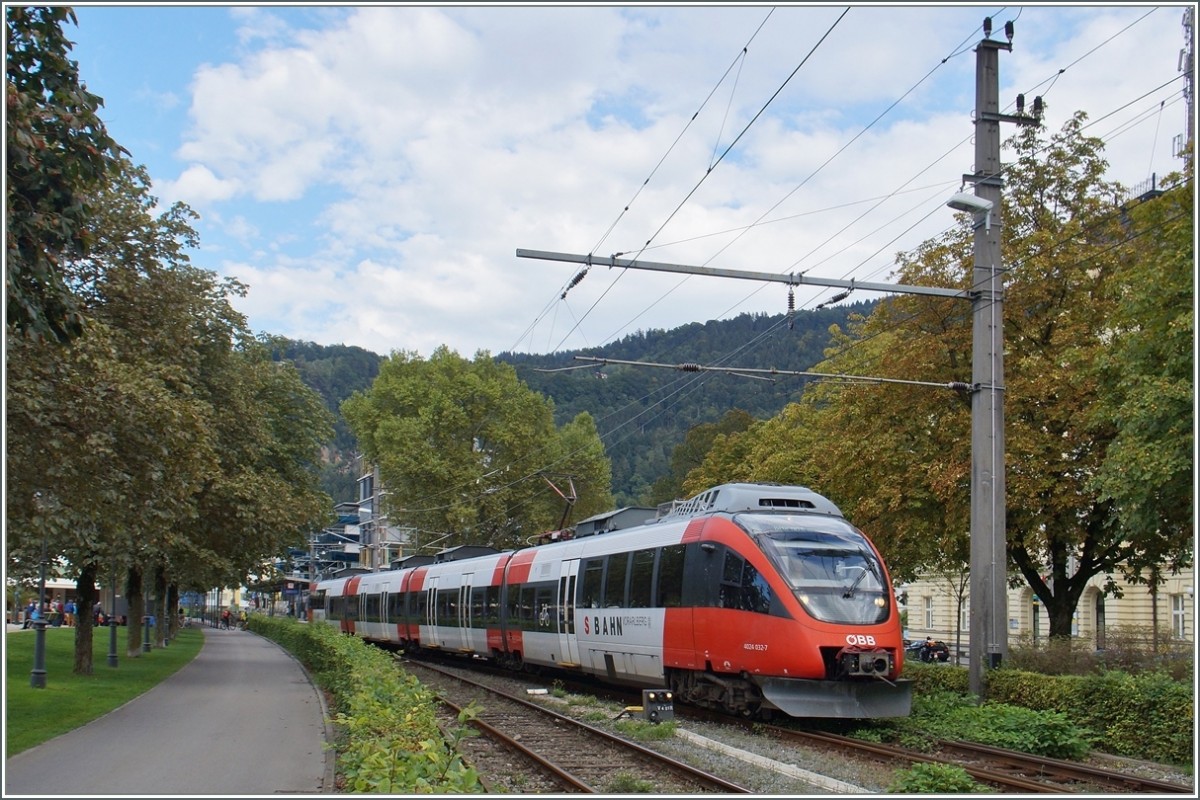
column 934, row 610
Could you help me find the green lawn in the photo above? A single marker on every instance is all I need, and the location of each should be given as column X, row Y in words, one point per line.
column 33, row 716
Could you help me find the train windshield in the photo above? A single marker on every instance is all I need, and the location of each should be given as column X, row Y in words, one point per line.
column 828, row 562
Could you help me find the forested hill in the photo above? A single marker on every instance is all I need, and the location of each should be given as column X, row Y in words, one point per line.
column 642, row 413
column 335, row 372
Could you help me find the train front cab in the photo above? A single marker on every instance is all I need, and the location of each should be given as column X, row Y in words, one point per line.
column 765, row 637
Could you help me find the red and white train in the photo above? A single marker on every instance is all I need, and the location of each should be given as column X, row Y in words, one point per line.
column 752, row 598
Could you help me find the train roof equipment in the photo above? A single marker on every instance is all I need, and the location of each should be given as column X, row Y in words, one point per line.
column 462, row 552
column 734, row 497
column 411, row 561
column 619, row 520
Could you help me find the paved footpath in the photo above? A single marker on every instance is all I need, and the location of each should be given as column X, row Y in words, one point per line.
column 241, row 719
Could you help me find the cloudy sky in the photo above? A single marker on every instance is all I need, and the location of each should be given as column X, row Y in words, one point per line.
column 371, row 171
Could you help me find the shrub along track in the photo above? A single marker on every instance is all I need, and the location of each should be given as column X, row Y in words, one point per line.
column 577, row 756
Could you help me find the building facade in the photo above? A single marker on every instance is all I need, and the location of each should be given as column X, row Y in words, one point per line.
column 937, row 607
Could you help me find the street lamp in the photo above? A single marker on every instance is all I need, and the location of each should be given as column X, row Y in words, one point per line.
column 37, row 676
column 976, row 205
column 112, row 623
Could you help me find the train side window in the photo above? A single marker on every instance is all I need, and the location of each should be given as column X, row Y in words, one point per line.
column 641, row 575
column 756, row 592
column 478, row 606
column 592, row 586
column 493, row 605
column 668, row 591
column 512, row 600
column 421, row 610
column 614, row 581
column 527, row 616
column 729, row 595
column 447, row 611
column 545, row 608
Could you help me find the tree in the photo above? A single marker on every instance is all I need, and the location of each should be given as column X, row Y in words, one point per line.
column 164, row 441
column 58, row 154
column 462, row 446
column 690, row 453
column 1148, row 368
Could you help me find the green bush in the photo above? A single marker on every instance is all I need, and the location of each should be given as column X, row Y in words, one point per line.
column 936, row 677
column 1031, row 689
column 1145, row 716
column 389, row 741
column 1043, row 733
column 1148, row 715
column 934, row 779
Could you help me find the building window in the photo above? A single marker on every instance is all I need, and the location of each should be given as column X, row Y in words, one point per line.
column 1179, row 616
column 928, row 612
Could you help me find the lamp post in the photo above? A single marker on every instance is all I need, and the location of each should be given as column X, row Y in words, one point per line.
column 112, row 623
column 37, row 676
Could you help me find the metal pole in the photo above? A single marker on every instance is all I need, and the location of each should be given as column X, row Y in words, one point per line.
column 112, row 624
column 37, row 676
column 989, row 556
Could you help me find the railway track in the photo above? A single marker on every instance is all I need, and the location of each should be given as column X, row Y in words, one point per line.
column 576, row 757
column 1060, row 771
column 1006, row 770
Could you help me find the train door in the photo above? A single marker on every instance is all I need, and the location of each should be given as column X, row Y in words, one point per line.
column 386, row 631
column 430, row 610
column 568, row 653
column 464, row 612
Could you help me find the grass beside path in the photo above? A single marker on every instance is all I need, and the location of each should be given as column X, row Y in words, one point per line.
column 33, row 716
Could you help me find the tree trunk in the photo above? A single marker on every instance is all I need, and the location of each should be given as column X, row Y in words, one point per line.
column 161, row 617
column 137, row 608
column 85, row 597
column 173, row 609
column 1061, row 611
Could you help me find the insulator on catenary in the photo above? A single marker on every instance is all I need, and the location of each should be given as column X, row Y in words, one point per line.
column 574, row 282
column 689, row 367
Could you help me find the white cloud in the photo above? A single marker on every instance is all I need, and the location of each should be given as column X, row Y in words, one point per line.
column 417, row 148
column 197, row 186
